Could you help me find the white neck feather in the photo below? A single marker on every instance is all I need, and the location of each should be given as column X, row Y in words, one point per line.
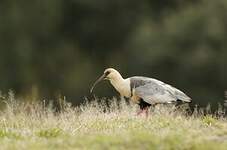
column 121, row 85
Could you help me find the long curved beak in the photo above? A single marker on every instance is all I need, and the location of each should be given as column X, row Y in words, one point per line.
column 97, row 81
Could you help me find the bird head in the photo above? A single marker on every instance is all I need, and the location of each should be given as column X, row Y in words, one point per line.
column 109, row 74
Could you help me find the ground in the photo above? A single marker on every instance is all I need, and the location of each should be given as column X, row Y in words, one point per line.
column 36, row 126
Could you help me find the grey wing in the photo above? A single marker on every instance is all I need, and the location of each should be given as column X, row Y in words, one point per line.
column 158, row 92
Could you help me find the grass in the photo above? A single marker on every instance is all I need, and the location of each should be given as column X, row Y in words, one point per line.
column 35, row 126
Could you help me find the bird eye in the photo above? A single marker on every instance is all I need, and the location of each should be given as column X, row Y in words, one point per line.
column 107, row 73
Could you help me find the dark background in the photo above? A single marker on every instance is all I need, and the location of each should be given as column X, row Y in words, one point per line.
column 52, row 47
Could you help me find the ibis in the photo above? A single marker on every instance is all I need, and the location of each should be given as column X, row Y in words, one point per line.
column 143, row 91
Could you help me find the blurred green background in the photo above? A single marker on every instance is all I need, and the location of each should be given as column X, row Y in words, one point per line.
column 58, row 46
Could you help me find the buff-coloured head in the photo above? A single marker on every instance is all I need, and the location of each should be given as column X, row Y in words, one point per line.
column 109, row 74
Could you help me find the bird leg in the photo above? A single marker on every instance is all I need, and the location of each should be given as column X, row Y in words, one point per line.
column 144, row 106
column 143, row 111
column 140, row 112
column 146, row 111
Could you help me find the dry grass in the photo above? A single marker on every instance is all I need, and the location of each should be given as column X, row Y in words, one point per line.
column 31, row 126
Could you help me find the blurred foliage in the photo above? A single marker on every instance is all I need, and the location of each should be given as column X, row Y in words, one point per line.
column 56, row 46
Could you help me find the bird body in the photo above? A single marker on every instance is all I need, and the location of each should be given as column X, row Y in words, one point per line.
column 143, row 90
column 154, row 91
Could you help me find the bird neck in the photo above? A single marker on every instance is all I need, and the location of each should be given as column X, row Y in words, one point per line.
column 121, row 85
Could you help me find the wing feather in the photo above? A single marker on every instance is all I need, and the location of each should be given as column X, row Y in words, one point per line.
column 155, row 91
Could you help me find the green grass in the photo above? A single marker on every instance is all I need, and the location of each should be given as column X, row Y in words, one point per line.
column 36, row 126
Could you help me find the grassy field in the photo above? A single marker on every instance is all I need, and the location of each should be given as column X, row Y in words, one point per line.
column 37, row 126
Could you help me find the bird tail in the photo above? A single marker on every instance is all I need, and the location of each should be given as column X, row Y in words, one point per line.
column 182, row 97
